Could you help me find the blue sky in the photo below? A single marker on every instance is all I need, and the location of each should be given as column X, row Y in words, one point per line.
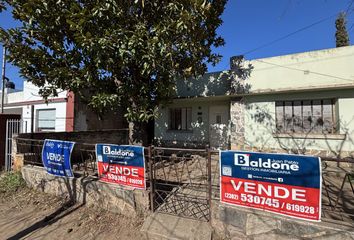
column 253, row 23
column 249, row 24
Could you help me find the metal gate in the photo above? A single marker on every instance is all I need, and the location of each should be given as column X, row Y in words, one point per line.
column 181, row 182
column 13, row 127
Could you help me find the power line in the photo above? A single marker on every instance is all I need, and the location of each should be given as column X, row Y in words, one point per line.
column 290, row 34
column 307, row 71
column 297, row 31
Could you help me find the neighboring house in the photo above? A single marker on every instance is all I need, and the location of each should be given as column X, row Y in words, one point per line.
column 301, row 103
column 36, row 114
column 66, row 112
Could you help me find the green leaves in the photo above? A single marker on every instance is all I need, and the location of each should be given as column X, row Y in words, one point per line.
column 342, row 36
column 141, row 115
column 103, row 101
column 114, row 53
column 2, row 6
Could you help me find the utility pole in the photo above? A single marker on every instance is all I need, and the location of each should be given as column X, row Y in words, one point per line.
column 3, row 78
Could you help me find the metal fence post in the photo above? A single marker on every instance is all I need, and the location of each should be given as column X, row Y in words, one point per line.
column 6, row 144
column 13, row 127
column 151, row 176
column 209, row 182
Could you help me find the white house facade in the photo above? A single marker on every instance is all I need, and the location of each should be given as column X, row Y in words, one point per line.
column 299, row 103
column 38, row 115
column 63, row 113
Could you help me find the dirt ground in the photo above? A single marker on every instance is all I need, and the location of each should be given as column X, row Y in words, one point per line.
column 27, row 214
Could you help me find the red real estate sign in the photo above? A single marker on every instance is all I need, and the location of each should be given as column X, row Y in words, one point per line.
column 284, row 184
column 122, row 165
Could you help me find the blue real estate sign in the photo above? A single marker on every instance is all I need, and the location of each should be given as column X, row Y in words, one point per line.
column 56, row 157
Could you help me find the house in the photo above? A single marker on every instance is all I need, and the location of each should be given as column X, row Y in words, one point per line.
column 63, row 113
column 27, row 112
column 36, row 114
column 300, row 103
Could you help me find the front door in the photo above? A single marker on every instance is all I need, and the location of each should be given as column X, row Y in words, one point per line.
column 218, row 130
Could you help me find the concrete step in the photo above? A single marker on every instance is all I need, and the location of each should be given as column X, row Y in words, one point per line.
column 164, row 226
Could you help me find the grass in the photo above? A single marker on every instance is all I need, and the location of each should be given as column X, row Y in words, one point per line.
column 11, row 182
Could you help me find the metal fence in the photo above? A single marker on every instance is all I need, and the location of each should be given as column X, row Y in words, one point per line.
column 337, row 189
column 13, row 127
column 31, row 150
column 83, row 157
column 183, row 182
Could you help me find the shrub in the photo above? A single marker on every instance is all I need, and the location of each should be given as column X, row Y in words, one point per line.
column 11, row 182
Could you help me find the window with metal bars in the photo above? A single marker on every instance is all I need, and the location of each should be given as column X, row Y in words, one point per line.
column 180, row 119
column 304, row 116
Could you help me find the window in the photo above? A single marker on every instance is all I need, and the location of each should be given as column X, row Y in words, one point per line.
column 218, row 119
column 180, row 119
column 45, row 120
column 315, row 116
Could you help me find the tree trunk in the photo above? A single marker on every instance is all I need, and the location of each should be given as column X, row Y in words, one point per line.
column 138, row 133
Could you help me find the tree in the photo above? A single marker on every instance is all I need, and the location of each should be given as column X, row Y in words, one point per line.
column 113, row 52
column 342, row 37
column 2, row 6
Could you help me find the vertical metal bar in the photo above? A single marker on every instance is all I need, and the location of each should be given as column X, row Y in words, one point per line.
column 32, row 119
column 284, row 121
column 14, row 131
column 209, row 183
column 12, row 124
column 322, row 116
column 9, row 151
column 151, row 176
column 302, row 116
column 334, row 120
column 6, row 135
column 311, row 125
column 292, row 116
column 185, row 120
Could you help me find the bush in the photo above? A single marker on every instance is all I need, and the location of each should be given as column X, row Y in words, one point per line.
column 11, row 182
